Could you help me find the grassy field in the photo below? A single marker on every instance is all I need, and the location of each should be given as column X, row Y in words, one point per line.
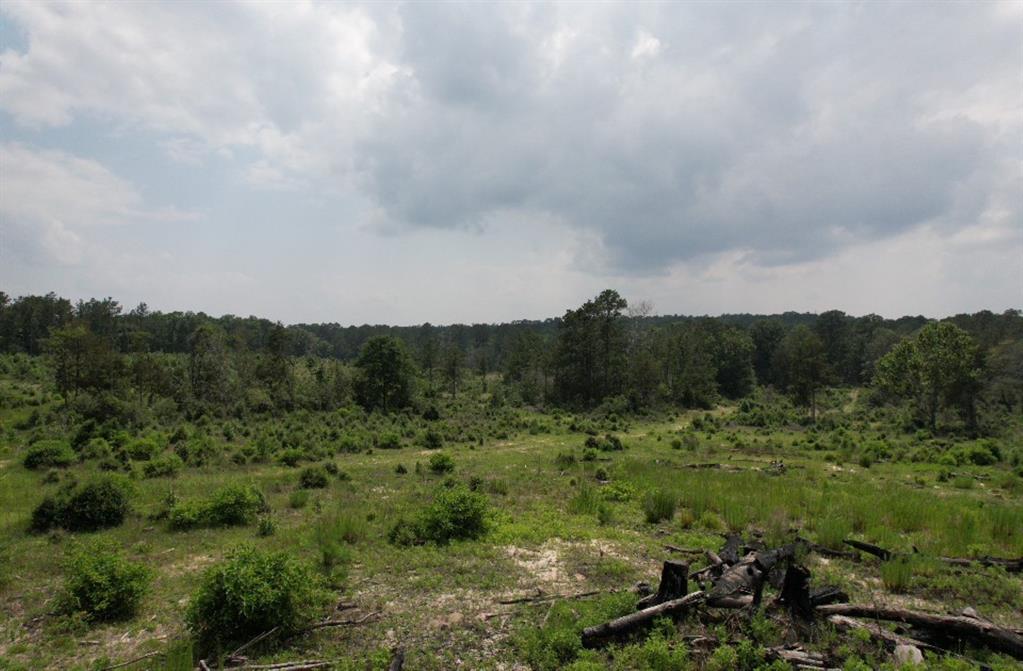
column 563, row 519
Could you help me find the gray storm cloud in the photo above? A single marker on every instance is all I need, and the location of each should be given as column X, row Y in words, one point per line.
column 789, row 132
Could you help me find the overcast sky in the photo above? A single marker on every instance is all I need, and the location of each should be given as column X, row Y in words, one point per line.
column 416, row 162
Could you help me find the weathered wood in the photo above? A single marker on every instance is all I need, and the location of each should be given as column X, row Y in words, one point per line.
column 674, row 584
column 795, row 591
column 1010, row 565
column 397, row 660
column 877, row 631
column 822, row 596
column 801, row 659
column 131, row 661
column 303, row 665
column 870, row 548
column 981, row 631
column 730, row 552
column 597, row 634
column 825, row 551
column 538, row 598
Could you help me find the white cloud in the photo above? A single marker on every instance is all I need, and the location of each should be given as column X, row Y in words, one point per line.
column 647, row 46
column 743, row 153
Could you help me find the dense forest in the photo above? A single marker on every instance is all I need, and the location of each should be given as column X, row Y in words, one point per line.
column 112, row 364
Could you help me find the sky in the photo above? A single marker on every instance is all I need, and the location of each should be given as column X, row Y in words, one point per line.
column 485, row 162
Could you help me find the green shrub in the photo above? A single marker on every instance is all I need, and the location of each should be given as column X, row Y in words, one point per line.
column 564, row 460
column 102, row 584
column 250, row 592
column 97, row 448
column 98, row 504
column 267, row 526
column 557, row 643
column 455, row 514
column 141, row 449
column 659, row 505
column 400, row 469
column 313, row 477
column 164, row 466
column 233, row 505
column 291, row 457
column 389, row 441
column 432, row 440
column 47, row 453
column 441, row 463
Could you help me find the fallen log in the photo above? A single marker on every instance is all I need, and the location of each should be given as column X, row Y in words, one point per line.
column 683, row 551
column 1010, row 565
column 825, row 551
column 304, row 665
column 877, row 631
column 981, row 631
column 131, row 661
column 538, row 598
column 801, row 659
column 595, row 635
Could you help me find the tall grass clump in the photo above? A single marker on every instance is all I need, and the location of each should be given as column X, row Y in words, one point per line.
column 897, row 573
column 659, row 505
column 831, row 529
column 586, row 501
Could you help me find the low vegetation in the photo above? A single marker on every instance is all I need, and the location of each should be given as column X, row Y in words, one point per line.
column 478, row 497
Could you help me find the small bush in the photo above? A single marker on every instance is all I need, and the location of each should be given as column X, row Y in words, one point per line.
column 455, row 514
column 102, row 584
column 400, row 469
column 233, row 505
column 441, row 463
column 98, row 504
column 659, row 505
column 250, row 592
column 291, row 457
column 432, row 440
column 267, row 526
column 50, row 453
column 389, row 441
column 313, row 477
column 564, row 460
column 163, row 466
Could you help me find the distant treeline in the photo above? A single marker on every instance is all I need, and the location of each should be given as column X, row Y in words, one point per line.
column 599, row 350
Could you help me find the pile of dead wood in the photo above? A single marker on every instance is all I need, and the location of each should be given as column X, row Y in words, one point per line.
column 736, row 577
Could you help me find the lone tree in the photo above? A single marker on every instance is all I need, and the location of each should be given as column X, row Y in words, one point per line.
column 941, row 367
column 802, row 363
column 385, row 374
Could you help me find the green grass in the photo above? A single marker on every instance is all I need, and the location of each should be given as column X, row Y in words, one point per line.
column 552, row 525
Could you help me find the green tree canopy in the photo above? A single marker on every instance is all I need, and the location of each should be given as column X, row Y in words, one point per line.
column 940, row 367
column 385, row 374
